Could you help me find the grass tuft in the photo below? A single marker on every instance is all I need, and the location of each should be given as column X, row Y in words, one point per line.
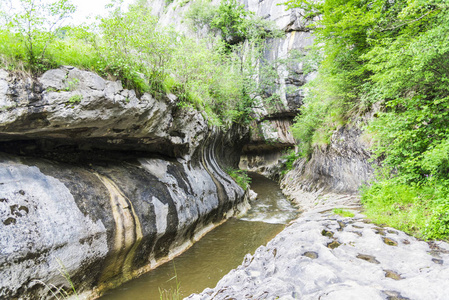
column 343, row 213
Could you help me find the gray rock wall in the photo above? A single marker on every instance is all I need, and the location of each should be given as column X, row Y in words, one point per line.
column 273, row 123
column 270, row 130
column 106, row 187
column 341, row 167
column 269, row 141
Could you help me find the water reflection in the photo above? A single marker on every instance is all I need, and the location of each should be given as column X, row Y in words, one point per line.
column 220, row 251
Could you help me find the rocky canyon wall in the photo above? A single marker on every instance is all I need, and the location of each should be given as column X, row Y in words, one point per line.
column 270, row 134
column 102, row 183
column 341, row 167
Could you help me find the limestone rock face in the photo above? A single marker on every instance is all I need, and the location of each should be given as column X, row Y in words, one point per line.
column 271, row 135
column 270, row 130
column 102, row 183
column 339, row 168
column 269, row 140
column 272, row 127
column 71, row 104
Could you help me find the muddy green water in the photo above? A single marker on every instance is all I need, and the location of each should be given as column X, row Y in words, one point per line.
column 219, row 251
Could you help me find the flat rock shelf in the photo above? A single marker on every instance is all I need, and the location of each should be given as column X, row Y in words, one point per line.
column 325, row 256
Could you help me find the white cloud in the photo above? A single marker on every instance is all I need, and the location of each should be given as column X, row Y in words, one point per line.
column 85, row 9
column 91, row 8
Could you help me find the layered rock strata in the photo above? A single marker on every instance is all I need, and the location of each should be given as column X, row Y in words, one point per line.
column 334, row 172
column 270, row 137
column 101, row 184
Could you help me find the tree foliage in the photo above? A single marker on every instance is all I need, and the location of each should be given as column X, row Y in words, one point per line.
column 231, row 21
column 394, row 54
column 35, row 25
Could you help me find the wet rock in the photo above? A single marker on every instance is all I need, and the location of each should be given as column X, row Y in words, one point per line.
column 392, row 274
column 438, row 261
column 392, row 295
column 379, row 230
column 311, row 254
column 434, row 253
column 389, row 242
column 333, row 171
column 436, row 248
column 400, row 272
column 341, row 225
column 110, row 186
column 327, row 233
column 368, row 258
column 333, row 245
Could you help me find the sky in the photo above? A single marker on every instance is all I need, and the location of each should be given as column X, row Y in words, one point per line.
column 85, row 8
column 91, row 8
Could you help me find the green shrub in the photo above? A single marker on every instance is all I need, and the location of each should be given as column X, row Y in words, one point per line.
column 379, row 53
column 241, row 177
column 290, row 157
column 131, row 46
column 75, row 99
column 343, row 213
column 34, row 26
column 231, row 19
column 418, row 210
column 234, row 23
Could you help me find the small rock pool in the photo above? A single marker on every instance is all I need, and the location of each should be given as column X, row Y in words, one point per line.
column 219, row 251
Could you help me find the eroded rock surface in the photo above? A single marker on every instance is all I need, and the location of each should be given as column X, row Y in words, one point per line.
column 299, row 264
column 334, row 173
column 81, row 108
column 270, row 136
column 102, row 182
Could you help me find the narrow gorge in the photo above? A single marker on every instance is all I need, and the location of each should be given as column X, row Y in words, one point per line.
column 109, row 198
column 116, row 171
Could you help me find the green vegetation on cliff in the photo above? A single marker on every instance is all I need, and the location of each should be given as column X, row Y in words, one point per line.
column 390, row 57
column 241, row 177
column 214, row 75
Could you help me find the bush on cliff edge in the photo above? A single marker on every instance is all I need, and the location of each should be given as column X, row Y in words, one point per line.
column 131, row 46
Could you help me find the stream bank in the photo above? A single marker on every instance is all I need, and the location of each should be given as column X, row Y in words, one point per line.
column 325, row 256
column 108, row 187
column 219, row 251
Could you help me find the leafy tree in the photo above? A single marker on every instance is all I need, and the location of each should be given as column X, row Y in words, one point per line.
column 200, row 15
column 395, row 54
column 231, row 20
column 133, row 45
column 36, row 25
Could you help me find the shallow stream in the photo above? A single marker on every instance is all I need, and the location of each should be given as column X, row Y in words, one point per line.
column 219, row 251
